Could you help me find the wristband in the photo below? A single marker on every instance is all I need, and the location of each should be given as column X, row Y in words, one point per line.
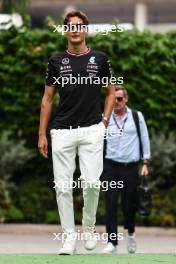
column 106, row 118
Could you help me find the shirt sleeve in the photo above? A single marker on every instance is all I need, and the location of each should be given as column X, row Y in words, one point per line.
column 106, row 71
column 50, row 73
column 144, row 137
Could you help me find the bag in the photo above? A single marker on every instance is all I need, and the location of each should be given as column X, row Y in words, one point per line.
column 136, row 121
column 144, row 199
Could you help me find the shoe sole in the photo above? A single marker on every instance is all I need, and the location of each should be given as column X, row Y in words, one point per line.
column 67, row 253
column 131, row 252
column 109, row 252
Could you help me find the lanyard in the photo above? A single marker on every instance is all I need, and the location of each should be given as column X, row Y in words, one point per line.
column 120, row 129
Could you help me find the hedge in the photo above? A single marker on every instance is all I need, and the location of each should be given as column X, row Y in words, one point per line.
column 147, row 62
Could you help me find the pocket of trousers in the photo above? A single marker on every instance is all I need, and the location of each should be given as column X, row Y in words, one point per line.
column 101, row 124
column 101, row 129
column 53, row 131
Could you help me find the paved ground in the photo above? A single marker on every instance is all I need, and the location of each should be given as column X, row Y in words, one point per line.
column 40, row 239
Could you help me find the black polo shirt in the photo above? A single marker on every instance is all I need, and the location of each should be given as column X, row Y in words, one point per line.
column 80, row 98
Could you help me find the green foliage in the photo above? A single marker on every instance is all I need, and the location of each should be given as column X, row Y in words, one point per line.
column 163, row 161
column 13, row 156
column 52, row 217
column 162, row 179
column 11, row 6
column 14, row 215
column 145, row 60
column 148, row 64
column 36, row 199
column 2, row 215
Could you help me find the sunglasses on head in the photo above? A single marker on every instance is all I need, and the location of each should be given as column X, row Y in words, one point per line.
column 119, row 98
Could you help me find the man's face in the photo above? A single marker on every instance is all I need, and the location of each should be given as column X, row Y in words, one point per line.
column 76, row 36
column 121, row 100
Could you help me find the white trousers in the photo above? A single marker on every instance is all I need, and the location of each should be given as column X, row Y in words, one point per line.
column 88, row 143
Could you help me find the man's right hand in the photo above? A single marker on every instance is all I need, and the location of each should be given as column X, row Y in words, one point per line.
column 43, row 146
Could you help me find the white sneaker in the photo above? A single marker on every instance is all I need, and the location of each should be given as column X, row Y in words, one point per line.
column 90, row 239
column 110, row 248
column 69, row 246
column 131, row 244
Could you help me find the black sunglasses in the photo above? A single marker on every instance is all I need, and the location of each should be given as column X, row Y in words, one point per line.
column 120, row 99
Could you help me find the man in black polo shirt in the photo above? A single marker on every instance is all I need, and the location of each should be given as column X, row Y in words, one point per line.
column 79, row 126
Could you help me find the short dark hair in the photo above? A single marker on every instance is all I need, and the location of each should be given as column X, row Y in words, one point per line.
column 121, row 88
column 77, row 13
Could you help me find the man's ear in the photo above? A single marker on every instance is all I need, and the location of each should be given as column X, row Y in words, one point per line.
column 126, row 98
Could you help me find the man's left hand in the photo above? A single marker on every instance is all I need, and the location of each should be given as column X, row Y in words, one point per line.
column 144, row 170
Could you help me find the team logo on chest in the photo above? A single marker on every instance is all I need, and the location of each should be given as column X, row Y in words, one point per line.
column 92, row 66
column 92, row 60
column 65, row 61
column 65, row 67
